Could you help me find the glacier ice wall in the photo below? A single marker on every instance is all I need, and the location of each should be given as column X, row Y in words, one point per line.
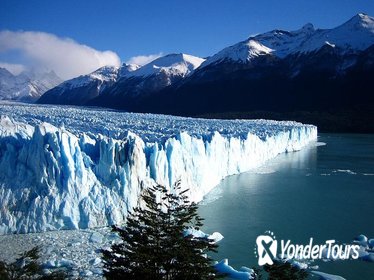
column 52, row 178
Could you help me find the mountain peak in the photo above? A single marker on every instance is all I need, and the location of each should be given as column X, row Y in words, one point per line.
column 102, row 75
column 176, row 63
column 356, row 34
column 5, row 72
column 106, row 70
column 360, row 20
column 128, row 68
column 26, row 86
column 362, row 16
column 308, row 27
column 241, row 52
column 176, row 58
column 105, row 73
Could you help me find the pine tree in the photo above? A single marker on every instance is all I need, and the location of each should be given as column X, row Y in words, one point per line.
column 154, row 244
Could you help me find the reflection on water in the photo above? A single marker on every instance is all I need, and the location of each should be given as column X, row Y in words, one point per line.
column 291, row 197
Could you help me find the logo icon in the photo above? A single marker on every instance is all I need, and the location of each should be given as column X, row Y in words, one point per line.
column 266, row 248
column 267, row 245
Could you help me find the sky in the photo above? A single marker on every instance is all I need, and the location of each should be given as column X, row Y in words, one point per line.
column 76, row 37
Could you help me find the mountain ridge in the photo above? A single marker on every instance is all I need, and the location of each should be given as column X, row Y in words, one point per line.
column 154, row 76
column 28, row 86
column 319, row 70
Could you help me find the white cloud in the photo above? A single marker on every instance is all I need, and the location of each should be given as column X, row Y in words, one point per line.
column 143, row 59
column 63, row 55
column 15, row 69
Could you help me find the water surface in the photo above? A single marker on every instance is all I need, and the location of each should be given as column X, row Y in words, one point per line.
column 324, row 191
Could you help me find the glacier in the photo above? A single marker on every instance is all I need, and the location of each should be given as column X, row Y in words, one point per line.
column 72, row 167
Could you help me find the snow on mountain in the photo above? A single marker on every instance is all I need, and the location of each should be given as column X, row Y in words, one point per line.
column 112, row 85
column 86, row 87
column 127, row 69
column 172, row 64
column 5, row 75
column 284, row 43
column 150, row 78
column 132, row 87
column 159, row 73
column 27, row 86
column 357, row 34
column 102, row 75
column 241, row 52
column 69, row 168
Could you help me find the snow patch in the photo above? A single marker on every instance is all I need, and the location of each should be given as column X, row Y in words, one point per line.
column 214, row 237
column 244, row 273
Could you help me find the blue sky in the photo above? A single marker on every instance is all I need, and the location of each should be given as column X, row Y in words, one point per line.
column 144, row 27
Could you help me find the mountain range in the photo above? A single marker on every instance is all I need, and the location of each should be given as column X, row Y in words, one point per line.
column 322, row 76
column 111, row 84
column 27, row 86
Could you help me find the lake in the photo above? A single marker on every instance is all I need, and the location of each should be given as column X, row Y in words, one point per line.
column 325, row 191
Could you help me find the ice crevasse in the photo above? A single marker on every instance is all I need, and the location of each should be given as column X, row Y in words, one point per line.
column 55, row 178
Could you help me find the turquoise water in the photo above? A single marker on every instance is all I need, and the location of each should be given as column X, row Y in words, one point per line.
column 324, row 191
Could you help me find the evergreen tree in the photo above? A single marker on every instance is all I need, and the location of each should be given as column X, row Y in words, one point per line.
column 154, row 244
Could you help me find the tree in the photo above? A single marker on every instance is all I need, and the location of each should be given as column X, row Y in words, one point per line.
column 154, row 244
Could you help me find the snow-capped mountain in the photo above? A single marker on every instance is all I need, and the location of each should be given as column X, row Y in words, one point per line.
column 152, row 77
column 130, row 90
column 28, row 86
column 79, row 90
column 355, row 35
column 110, row 85
column 284, row 74
column 126, row 69
column 309, row 69
column 172, row 64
